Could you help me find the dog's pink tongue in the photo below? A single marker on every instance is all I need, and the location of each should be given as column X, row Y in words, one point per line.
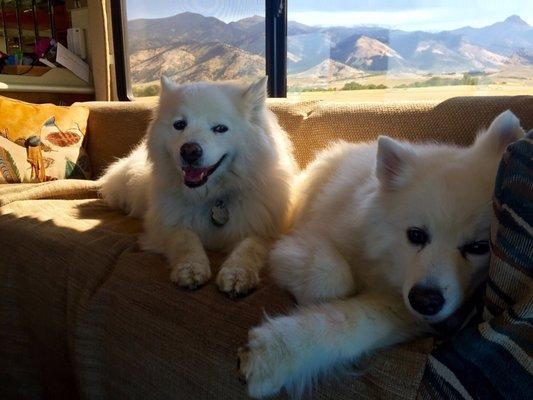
column 193, row 174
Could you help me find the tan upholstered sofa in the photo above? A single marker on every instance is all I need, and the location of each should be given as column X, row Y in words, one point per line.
column 84, row 313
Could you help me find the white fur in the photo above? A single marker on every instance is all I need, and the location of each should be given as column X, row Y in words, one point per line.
column 253, row 181
column 348, row 261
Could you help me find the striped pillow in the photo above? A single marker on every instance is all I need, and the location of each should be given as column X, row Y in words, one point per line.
column 492, row 360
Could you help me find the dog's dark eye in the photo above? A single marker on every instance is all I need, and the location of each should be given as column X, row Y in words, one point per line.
column 417, row 236
column 477, row 248
column 180, row 125
column 219, row 128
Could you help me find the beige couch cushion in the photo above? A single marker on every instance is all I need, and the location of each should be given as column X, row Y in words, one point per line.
column 61, row 189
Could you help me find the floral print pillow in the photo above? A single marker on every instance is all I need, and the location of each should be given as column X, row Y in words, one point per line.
column 40, row 143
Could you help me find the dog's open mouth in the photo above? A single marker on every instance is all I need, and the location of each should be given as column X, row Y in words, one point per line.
column 196, row 176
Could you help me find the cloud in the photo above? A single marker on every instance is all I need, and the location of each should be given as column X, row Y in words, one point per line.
column 392, row 19
column 411, row 15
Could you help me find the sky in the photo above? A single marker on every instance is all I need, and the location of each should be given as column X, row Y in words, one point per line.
column 427, row 15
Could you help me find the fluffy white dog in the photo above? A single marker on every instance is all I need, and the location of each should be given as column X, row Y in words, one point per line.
column 214, row 170
column 389, row 238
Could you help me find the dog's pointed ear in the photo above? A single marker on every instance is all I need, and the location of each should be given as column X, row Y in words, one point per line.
column 394, row 163
column 168, row 88
column 255, row 95
column 504, row 130
column 166, row 84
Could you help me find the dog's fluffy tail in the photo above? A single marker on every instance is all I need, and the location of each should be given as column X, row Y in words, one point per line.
column 125, row 183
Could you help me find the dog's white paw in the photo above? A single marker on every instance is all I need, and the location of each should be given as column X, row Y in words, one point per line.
column 264, row 363
column 236, row 280
column 190, row 274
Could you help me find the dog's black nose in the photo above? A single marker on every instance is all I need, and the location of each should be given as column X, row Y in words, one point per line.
column 191, row 152
column 426, row 300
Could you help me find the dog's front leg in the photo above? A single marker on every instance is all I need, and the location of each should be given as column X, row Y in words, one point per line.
column 184, row 251
column 289, row 352
column 240, row 272
column 188, row 260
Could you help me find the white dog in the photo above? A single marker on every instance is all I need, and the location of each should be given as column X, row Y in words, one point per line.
column 214, row 170
column 389, row 237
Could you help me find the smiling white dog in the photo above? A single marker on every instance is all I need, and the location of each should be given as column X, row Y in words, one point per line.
column 215, row 171
column 389, row 237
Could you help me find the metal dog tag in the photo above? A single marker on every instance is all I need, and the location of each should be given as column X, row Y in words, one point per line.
column 219, row 213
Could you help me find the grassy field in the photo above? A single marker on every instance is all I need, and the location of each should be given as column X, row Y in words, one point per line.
column 439, row 93
column 508, row 82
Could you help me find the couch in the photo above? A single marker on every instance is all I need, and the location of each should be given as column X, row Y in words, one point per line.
column 85, row 314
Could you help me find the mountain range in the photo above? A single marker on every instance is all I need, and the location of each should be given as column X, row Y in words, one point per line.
column 189, row 46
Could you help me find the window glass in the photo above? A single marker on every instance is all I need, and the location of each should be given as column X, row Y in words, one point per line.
column 24, row 21
column 9, row 14
column 408, row 50
column 44, row 24
column 27, row 25
column 193, row 40
column 3, row 48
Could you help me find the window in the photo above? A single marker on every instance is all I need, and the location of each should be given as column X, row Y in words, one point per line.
column 409, row 50
column 193, row 40
column 372, row 50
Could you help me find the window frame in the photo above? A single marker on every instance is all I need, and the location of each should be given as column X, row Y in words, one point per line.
column 275, row 48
